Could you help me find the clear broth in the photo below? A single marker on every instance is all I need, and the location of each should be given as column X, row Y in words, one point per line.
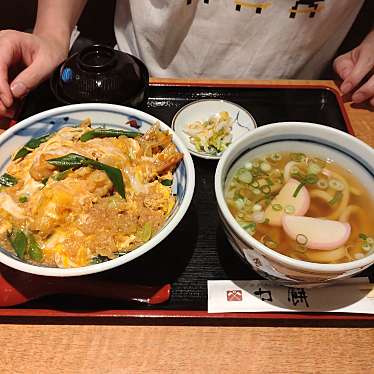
column 336, row 194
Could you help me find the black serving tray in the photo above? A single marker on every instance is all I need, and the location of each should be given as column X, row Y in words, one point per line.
column 197, row 250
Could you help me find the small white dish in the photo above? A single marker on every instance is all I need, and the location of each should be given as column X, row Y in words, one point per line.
column 201, row 110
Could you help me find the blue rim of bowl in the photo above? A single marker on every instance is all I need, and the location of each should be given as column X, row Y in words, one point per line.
column 204, row 155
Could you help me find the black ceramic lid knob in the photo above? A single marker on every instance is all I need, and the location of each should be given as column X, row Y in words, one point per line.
column 97, row 58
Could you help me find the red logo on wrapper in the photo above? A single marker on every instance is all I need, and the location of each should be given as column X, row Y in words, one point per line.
column 234, row 295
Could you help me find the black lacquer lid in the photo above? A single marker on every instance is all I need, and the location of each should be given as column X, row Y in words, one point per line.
column 101, row 74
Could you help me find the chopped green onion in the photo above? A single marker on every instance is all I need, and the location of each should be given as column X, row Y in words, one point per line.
column 301, row 239
column 298, row 189
column 298, row 157
column 337, row 197
column 61, row 175
column 255, row 184
column 269, row 242
column 259, row 216
column 34, row 250
column 265, row 167
column 276, row 156
column 73, row 160
column 289, row 209
column 256, row 172
column 277, row 207
column 23, row 199
column 240, row 203
column 238, row 195
column 314, row 168
column 256, row 208
column 248, row 165
column 32, row 144
column 8, row 180
column 102, row 132
column 363, row 236
column 301, row 248
column 245, row 176
column 322, row 184
column 99, row 259
column 18, row 240
column 366, row 247
column 146, row 232
column 269, row 182
column 298, row 176
column 336, row 185
column 256, row 191
column 294, row 170
column 250, row 227
column 167, row 182
column 265, row 189
column 308, row 179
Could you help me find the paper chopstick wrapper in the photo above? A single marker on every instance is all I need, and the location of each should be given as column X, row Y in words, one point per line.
column 351, row 296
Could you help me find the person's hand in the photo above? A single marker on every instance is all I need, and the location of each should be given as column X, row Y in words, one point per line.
column 355, row 65
column 37, row 56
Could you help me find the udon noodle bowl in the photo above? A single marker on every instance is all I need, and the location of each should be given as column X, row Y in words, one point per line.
column 303, row 204
column 82, row 196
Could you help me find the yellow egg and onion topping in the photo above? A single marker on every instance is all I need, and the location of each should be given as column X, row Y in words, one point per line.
column 85, row 195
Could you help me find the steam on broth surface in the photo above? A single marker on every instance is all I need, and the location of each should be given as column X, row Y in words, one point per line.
column 305, row 207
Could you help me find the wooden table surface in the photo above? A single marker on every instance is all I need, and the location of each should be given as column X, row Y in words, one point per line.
column 68, row 347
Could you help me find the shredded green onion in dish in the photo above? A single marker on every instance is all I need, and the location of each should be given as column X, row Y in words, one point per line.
column 212, row 136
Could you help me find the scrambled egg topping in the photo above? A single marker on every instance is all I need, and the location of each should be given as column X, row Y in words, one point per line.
column 76, row 217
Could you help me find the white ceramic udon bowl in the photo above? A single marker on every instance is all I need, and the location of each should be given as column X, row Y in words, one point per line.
column 315, row 139
column 114, row 116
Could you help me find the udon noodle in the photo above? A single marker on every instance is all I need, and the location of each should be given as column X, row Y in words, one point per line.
column 304, row 207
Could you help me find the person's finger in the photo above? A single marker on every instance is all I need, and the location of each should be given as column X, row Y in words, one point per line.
column 2, row 109
column 343, row 65
column 5, row 93
column 30, row 78
column 363, row 65
column 365, row 92
column 7, row 112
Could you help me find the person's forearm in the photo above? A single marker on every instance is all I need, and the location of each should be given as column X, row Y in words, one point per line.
column 57, row 18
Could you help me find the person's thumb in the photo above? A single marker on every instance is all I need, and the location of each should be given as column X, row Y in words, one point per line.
column 343, row 65
column 29, row 78
column 361, row 68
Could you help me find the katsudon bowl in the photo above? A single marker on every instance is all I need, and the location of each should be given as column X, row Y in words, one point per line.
column 179, row 185
column 284, row 224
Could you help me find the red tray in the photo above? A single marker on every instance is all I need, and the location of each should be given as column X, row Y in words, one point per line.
column 197, row 250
